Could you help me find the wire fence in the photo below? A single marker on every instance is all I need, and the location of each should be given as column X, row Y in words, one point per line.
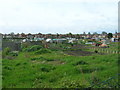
column 112, row 82
column 104, row 50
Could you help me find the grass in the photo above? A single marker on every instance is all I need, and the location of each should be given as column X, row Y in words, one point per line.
column 57, row 70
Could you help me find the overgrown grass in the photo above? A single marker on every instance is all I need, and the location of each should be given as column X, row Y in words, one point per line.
column 31, row 70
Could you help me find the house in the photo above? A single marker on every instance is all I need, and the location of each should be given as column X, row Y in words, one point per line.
column 22, row 35
column 106, row 41
column 83, row 36
column 113, row 39
column 59, row 40
column 24, row 40
column 89, row 36
column 30, row 36
column 7, row 36
column 73, row 40
column 49, row 40
column 38, row 39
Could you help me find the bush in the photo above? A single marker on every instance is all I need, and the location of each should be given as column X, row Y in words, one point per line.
column 18, row 64
column 33, row 48
column 25, row 45
column 42, row 51
column 14, row 53
column 38, row 58
column 6, row 51
column 8, row 68
column 96, row 51
column 44, row 69
column 80, row 63
column 41, row 58
column 47, row 68
column 54, row 49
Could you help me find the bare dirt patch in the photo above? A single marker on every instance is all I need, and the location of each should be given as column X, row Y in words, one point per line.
column 79, row 50
column 79, row 53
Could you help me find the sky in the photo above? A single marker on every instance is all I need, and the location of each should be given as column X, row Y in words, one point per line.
column 58, row 16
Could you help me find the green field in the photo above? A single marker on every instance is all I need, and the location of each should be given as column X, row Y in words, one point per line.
column 59, row 66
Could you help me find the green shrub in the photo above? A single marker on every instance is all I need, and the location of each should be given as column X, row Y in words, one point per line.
column 96, row 51
column 33, row 48
column 47, row 68
column 25, row 63
column 38, row 58
column 41, row 58
column 80, row 63
column 6, row 51
column 25, row 45
column 14, row 53
column 54, row 49
column 42, row 51
column 88, row 70
column 18, row 64
column 49, row 59
column 54, row 78
column 8, row 68
column 44, row 69
column 36, row 47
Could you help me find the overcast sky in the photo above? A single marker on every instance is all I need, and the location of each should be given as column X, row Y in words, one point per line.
column 58, row 16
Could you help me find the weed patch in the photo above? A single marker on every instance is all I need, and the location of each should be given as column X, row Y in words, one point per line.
column 41, row 58
column 43, row 51
column 32, row 48
column 80, row 63
column 47, row 68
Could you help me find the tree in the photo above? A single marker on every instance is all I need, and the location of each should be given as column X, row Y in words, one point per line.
column 70, row 34
column 78, row 36
column 29, row 34
column 17, row 33
column 12, row 34
column 115, row 32
column 57, row 35
column 40, row 33
column 89, row 33
column 103, row 33
column 84, row 33
column 109, row 35
column 95, row 33
column 22, row 34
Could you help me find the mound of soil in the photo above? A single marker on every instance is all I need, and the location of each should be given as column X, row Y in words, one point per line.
column 79, row 53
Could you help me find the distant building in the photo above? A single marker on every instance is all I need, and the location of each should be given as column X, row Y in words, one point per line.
column 59, row 40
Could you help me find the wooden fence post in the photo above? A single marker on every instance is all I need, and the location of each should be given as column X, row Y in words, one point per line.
column 107, row 52
column 113, row 52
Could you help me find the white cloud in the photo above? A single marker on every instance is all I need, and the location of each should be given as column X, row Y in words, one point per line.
column 16, row 1
column 76, row 15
